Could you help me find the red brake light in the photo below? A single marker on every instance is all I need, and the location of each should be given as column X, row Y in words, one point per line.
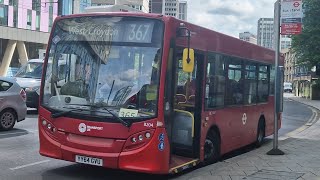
column 23, row 95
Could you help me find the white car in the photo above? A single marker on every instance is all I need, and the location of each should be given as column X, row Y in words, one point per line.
column 12, row 103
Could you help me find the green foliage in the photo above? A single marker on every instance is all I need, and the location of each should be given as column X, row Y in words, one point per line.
column 307, row 45
column 316, row 84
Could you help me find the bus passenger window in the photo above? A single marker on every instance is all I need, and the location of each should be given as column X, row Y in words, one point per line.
column 234, row 95
column 215, row 82
column 272, row 79
column 263, row 84
column 250, row 84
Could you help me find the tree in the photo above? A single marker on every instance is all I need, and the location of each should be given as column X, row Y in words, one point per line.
column 307, row 45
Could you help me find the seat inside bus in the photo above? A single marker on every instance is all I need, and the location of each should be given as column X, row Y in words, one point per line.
column 76, row 88
column 186, row 94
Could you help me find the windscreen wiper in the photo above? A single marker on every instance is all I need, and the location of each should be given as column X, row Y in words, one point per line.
column 59, row 114
column 63, row 113
column 118, row 118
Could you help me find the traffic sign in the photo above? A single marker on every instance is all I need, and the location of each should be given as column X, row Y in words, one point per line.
column 291, row 29
column 291, row 17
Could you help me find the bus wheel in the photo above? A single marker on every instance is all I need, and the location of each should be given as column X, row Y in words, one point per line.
column 211, row 148
column 260, row 134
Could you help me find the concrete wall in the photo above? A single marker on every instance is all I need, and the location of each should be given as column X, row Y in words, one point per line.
column 23, row 35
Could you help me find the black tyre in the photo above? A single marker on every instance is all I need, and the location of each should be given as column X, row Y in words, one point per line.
column 260, row 133
column 7, row 119
column 212, row 148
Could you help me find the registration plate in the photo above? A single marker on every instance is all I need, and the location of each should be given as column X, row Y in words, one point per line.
column 89, row 160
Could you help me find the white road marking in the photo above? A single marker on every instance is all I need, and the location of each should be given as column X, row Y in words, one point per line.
column 27, row 165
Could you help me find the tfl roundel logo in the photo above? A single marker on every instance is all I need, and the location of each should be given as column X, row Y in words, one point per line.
column 82, row 127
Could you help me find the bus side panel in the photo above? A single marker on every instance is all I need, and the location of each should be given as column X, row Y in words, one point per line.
column 152, row 158
column 217, row 118
column 269, row 117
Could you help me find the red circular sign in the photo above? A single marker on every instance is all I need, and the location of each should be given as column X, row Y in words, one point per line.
column 296, row 4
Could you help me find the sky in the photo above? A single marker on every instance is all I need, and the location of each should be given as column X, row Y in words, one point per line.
column 229, row 16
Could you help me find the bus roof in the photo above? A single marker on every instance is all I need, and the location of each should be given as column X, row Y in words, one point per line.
column 204, row 39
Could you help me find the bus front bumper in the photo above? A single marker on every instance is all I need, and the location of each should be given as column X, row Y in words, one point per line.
column 147, row 159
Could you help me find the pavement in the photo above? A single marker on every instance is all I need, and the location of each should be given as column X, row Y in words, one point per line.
column 301, row 159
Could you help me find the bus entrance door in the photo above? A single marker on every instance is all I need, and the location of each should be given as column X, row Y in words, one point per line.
column 187, row 112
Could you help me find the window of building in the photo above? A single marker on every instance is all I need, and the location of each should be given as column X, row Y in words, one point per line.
column 13, row 2
column 15, row 16
column 36, row 5
column 3, row 15
column 84, row 4
column 215, row 81
column 29, row 19
column 50, row 17
column 38, row 18
column 66, row 7
column 1, row 1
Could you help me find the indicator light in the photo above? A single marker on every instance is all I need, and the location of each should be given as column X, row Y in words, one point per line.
column 140, row 137
column 134, row 140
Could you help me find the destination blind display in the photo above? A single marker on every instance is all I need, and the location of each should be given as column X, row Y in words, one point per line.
column 122, row 31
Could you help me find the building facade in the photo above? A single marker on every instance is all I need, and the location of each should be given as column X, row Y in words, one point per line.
column 170, row 8
column 249, row 37
column 24, row 30
column 141, row 5
column 67, row 7
column 183, row 9
column 265, row 32
column 174, row 8
column 301, row 76
column 289, row 65
column 285, row 42
column 155, row 6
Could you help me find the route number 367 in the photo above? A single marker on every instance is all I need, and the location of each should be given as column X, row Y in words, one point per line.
column 139, row 32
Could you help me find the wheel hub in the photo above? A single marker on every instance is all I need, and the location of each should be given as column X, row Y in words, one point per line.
column 7, row 119
column 208, row 149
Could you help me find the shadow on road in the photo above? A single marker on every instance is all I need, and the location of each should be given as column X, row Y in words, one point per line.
column 13, row 133
column 80, row 171
column 83, row 172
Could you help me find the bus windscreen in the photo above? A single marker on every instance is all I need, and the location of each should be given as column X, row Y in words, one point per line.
column 104, row 62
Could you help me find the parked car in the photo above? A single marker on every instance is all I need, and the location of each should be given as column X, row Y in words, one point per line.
column 29, row 78
column 12, row 103
column 12, row 71
column 287, row 87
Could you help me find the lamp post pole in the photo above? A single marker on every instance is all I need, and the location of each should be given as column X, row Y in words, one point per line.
column 275, row 150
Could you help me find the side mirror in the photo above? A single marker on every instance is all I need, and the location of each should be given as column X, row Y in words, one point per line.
column 188, row 60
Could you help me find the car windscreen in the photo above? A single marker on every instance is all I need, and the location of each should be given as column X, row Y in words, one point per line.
column 30, row 70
